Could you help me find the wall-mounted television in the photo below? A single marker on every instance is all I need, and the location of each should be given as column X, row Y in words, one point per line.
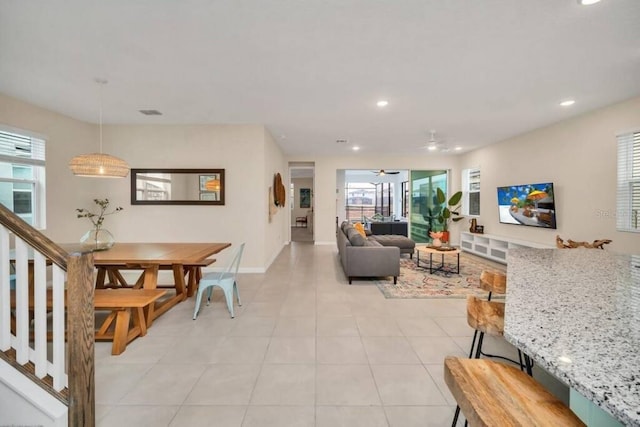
column 528, row 204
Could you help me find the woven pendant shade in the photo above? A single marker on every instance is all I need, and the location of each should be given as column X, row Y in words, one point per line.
column 99, row 165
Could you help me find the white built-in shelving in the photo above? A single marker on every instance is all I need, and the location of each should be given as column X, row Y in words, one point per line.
column 493, row 247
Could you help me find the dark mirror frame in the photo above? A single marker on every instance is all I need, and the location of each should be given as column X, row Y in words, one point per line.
column 134, row 177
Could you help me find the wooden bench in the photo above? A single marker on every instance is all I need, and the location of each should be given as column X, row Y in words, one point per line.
column 131, row 313
column 494, row 394
column 123, row 303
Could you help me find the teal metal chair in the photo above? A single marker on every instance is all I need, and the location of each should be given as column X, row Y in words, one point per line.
column 225, row 280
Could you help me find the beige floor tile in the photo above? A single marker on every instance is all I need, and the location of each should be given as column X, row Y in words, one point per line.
column 419, row 416
column 337, row 326
column 433, row 350
column 389, row 350
column 298, row 308
column 345, row 385
column 164, row 384
column 378, row 326
column 334, row 309
column 224, row 385
column 249, row 326
column 341, row 351
column 406, row 385
column 285, row 385
column 279, row 416
column 206, row 416
column 263, row 309
column 419, row 327
column 192, row 349
column 295, row 326
column 135, row 416
column 455, row 326
column 350, row 416
column 437, row 374
column 240, row 350
column 114, row 380
column 291, row 350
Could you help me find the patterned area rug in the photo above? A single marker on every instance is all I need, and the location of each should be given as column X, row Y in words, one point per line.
column 416, row 282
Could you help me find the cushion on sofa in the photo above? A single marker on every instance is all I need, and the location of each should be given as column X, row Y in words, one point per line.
column 402, row 242
column 355, row 238
column 358, row 226
column 371, row 242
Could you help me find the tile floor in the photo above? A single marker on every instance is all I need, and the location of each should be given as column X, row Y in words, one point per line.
column 305, row 349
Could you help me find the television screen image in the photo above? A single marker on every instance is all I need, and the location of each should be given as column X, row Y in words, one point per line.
column 530, row 204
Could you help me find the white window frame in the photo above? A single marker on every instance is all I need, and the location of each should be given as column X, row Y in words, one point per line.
column 470, row 177
column 35, row 159
column 628, row 194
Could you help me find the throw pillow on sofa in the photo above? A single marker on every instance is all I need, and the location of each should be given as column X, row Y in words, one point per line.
column 355, row 238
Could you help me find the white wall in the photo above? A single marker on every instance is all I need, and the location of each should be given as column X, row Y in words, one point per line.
column 579, row 157
column 248, row 154
column 276, row 232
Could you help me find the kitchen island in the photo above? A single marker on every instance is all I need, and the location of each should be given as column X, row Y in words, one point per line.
column 576, row 312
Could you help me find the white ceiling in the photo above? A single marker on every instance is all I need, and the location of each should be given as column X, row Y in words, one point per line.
column 312, row 70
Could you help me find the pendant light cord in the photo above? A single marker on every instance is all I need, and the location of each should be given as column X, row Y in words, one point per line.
column 101, row 82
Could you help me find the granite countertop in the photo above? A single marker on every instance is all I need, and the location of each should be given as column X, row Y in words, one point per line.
column 577, row 313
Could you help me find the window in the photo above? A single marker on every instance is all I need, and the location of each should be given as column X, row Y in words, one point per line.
column 628, row 203
column 22, row 175
column 405, row 199
column 360, row 201
column 471, row 192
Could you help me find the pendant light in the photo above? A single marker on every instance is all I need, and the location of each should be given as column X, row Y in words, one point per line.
column 99, row 165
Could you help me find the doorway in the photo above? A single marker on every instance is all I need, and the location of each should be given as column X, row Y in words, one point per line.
column 301, row 185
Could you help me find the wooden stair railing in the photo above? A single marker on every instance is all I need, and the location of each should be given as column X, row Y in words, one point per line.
column 76, row 387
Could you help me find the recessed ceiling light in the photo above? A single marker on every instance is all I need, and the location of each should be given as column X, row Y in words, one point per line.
column 588, row 2
column 432, row 148
column 458, row 148
column 567, row 103
column 382, row 103
column 355, row 148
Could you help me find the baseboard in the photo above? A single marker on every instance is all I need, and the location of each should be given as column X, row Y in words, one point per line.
column 318, row 243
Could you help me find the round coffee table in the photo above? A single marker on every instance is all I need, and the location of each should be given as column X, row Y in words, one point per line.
column 433, row 251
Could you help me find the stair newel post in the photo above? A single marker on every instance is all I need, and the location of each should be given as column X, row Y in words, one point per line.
column 80, row 338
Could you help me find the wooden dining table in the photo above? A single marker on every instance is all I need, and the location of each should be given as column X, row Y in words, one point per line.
column 184, row 259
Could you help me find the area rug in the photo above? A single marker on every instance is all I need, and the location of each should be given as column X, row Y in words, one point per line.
column 416, row 282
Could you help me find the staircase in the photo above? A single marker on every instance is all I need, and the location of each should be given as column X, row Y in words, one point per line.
column 44, row 359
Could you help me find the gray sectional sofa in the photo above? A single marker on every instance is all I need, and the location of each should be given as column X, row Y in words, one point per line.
column 373, row 256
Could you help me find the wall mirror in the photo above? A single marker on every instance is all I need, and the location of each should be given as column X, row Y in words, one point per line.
column 177, row 186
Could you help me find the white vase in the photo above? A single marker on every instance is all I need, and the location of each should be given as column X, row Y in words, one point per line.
column 437, row 243
column 97, row 239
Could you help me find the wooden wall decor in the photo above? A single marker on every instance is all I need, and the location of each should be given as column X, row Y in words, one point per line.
column 572, row 245
column 279, row 192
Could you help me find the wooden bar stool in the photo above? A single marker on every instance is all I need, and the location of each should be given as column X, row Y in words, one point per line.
column 495, row 394
column 487, row 317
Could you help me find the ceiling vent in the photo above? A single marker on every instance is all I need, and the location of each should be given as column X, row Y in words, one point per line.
column 151, row 112
column 342, row 141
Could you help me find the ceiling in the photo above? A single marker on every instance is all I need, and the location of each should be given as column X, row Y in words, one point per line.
column 476, row 72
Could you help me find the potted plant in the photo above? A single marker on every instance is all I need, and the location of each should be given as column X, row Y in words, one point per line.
column 449, row 211
column 97, row 238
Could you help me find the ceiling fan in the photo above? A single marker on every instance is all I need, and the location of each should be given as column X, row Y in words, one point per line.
column 433, row 143
column 382, row 172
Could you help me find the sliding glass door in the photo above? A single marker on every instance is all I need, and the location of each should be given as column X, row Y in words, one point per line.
column 423, row 185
